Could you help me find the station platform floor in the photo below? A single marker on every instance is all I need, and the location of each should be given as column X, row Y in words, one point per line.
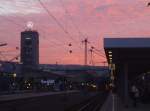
column 113, row 103
column 29, row 95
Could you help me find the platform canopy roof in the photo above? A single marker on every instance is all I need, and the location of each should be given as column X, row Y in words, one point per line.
column 127, row 43
column 133, row 51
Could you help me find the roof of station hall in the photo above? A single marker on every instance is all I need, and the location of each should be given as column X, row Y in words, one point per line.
column 126, row 42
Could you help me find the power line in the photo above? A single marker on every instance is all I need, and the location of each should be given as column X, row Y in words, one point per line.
column 103, row 62
column 70, row 17
column 54, row 16
column 92, row 50
column 54, row 43
column 99, row 54
column 97, row 50
column 62, row 44
column 21, row 25
column 76, row 27
column 12, row 21
column 15, row 58
column 57, row 22
column 40, row 29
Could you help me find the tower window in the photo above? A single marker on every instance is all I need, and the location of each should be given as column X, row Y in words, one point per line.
column 28, row 42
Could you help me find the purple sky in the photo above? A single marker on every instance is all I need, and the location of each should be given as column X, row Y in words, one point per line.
column 95, row 19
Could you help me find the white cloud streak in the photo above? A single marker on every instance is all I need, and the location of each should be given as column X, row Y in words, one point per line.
column 25, row 7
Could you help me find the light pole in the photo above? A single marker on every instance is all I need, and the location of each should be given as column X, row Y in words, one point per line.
column 85, row 41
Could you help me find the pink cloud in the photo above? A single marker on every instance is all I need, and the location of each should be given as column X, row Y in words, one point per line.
column 94, row 18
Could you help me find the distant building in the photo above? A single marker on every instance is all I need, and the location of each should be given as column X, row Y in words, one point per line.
column 29, row 49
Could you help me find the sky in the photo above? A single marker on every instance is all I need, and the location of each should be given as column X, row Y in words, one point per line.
column 92, row 19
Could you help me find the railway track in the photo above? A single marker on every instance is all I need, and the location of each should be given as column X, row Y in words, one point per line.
column 92, row 104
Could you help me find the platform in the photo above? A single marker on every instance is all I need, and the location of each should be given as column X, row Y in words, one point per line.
column 29, row 95
column 113, row 103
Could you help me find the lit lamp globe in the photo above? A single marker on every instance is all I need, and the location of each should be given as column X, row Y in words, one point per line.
column 14, row 75
column 29, row 25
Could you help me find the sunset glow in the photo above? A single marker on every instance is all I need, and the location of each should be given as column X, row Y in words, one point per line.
column 94, row 19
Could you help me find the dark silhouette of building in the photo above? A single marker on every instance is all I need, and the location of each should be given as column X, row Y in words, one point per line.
column 29, row 49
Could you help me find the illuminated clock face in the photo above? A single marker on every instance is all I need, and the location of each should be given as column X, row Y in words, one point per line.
column 30, row 25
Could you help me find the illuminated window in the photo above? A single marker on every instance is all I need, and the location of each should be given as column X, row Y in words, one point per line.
column 110, row 55
column 110, row 52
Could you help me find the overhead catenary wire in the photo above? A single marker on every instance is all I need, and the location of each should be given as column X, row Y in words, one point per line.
column 72, row 21
column 92, row 52
column 57, row 22
column 21, row 18
column 99, row 54
column 75, row 26
column 70, row 18
column 57, row 44
column 19, row 25
column 97, row 50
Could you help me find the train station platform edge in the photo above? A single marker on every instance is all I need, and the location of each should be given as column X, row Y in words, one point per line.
column 113, row 103
column 29, row 95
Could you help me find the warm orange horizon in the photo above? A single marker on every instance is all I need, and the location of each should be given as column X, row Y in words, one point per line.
column 95, row 19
